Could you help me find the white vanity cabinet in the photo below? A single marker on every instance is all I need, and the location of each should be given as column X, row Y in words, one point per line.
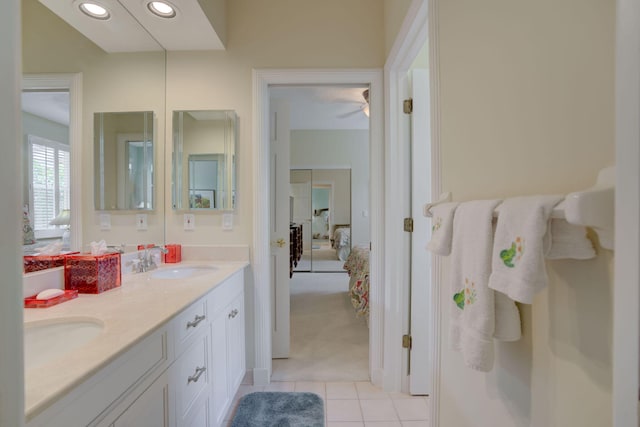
column 227, row 338
column 150, row 409
column 183, row 374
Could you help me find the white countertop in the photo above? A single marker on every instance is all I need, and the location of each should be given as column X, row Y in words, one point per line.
column 129, row 313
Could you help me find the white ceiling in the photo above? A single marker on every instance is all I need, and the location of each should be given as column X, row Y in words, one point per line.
column 133, row 28
column 52, row 106
column 325, row 107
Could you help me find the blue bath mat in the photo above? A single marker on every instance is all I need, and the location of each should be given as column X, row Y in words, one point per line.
column 279, row 409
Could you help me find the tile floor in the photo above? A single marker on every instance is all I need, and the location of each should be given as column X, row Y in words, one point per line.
column 354, row 404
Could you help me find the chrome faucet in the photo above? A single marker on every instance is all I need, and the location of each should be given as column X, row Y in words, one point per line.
column 145, row 258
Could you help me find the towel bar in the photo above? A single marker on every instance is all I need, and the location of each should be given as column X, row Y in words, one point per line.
column 592, row 207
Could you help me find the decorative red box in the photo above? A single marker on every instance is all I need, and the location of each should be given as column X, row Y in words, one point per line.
column 174, row 254
column 92, row 274
column 42, row 262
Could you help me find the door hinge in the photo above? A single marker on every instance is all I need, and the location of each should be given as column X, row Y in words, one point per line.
column 408, row 225
column 406, row 341
column 407, row 106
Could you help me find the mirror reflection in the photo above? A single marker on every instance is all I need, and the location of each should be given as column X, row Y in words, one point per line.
column 123, row 150
column 47, row 168
column 204, row 159
column 321, row 207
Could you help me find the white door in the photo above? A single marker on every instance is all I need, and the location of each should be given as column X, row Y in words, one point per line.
column 279, row 234
column 421, row 356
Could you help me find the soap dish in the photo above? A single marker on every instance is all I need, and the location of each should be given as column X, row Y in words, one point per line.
column 32, row 302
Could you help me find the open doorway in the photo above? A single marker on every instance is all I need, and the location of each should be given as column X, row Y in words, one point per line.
column 327, row 139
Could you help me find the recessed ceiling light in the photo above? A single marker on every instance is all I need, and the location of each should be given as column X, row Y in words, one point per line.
column 162, row 9
column 94, row 10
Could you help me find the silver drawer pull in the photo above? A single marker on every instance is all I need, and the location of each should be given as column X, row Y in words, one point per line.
column 233, row 313
column 195, row 377
column 194, row 322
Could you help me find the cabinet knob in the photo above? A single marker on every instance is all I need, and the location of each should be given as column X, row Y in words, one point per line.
column 233, row 313
column 193, row 323
column 196, row 376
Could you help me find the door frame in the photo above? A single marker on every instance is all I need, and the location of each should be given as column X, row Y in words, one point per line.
column 626, row 294
column 262, row 272
column 418, row 28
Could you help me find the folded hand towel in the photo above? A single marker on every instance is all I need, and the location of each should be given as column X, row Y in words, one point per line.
column 473, row 307
column 519, row 247
column 569, row 241
column 442, row 228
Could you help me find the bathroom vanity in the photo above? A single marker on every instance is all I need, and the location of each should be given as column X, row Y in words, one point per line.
column 168, row 351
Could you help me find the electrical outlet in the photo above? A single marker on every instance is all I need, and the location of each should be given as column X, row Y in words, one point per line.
column 227, row 221
column 141, row 222
column 105, row 222
column 189, row 222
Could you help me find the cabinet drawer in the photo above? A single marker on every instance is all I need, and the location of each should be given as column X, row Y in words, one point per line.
column 191, row 375
column 190, row 322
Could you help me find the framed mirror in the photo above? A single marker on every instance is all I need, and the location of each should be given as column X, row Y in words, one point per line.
column 203, row 173
column 124, row 153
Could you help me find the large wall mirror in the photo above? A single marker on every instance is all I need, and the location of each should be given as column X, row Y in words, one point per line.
column 107, row 82
column 124, row 160
column 204, row 146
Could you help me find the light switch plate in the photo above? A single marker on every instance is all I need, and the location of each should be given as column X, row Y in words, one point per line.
column 105, row 222
column 189, row 222
column 141, row 222
column 227, row 221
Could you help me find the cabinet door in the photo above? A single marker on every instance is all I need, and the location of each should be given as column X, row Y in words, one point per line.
column 191, row 378
column 200, row 415
column 235, row 343
column 151, row 409
column 220, row 397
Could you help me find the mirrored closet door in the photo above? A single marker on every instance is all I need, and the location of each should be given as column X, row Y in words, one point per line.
column 320, row 218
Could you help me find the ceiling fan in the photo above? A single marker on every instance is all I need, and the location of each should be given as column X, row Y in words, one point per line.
column 363, row 107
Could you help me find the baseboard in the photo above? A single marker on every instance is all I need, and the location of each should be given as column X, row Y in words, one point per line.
column 376, row 377
column 261, row 376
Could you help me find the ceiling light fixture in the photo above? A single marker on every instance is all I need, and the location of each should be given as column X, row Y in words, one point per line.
column 162, row 9
column 94, row 10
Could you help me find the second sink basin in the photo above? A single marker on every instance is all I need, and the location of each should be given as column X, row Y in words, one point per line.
column 182, row 272
column 47, row 341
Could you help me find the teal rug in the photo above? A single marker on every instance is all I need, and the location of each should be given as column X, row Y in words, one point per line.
column 279, row 409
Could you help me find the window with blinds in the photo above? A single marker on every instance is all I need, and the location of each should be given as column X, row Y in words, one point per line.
column 50, row 189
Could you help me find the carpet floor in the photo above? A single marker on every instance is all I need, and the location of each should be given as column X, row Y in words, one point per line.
column 328, row 341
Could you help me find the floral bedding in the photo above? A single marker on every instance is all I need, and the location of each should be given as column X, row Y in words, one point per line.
column 357, row 265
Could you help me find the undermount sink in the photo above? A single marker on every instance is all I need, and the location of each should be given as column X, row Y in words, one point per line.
column 46, row 341
column 182, row 272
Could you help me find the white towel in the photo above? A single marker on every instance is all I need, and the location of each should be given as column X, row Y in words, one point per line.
column 442, row 228
column 475, row 308
column 520, row 245
column 569, row 241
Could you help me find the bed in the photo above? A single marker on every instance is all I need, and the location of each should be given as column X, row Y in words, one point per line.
column 341, row 240
column 357, row 265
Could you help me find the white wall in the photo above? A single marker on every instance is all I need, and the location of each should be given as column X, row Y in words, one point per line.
column 527, row 107
column 11, row 327
column 394, row 13
column 332, row 149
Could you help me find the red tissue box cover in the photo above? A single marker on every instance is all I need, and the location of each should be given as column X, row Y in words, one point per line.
column 33, row 263
column 92, row 274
